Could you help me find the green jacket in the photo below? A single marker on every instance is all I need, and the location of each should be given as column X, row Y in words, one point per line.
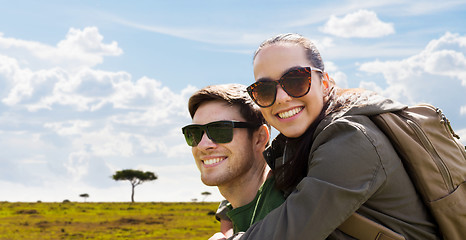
column 352, row 167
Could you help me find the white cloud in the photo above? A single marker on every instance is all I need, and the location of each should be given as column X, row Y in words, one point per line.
column 106, row 142
column 77, row 165
column 90, row 90
column 440, row 66
column 25, row 139
column 462, row 134
column 71, row 127
column 436, row 75
column 372, row 86
column 360, row 24
column 158, row 102
column 78, row 123
column 339, row 76
column 80, row 48
column 446, row 56
column 392, row 7
column 38, row 75
column 87, row 42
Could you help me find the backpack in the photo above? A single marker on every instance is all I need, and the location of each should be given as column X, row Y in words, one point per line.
column 436, row 163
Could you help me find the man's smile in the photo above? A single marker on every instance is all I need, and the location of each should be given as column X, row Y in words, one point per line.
column 212, row 161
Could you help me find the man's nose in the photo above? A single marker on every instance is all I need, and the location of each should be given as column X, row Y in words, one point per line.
column 206, row 142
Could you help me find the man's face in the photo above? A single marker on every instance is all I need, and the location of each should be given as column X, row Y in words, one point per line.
column 222, row 163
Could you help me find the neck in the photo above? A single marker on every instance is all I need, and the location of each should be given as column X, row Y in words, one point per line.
column 243, row 190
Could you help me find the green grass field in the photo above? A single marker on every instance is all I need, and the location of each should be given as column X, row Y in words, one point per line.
column 107, row 220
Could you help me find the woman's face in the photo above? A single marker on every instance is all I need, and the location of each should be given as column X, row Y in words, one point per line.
column 291, row 116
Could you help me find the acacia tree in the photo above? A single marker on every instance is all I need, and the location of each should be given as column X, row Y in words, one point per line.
column 84, row 195
column 206, row 194
column 135, row 177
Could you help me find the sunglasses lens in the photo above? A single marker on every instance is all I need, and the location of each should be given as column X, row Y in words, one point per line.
column 218, row 132
column 264, row 93
column 296, row 83
column 193, row 135
column 221, row 132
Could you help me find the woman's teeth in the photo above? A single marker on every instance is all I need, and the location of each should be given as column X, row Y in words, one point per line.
column 290, row 113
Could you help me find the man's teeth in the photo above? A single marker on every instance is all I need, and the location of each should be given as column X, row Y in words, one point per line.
column 212, row 161
column 290, row 113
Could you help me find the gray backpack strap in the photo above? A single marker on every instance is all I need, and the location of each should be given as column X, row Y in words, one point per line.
column 363, row 228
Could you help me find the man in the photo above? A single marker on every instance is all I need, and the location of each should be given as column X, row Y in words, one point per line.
column 228, row 137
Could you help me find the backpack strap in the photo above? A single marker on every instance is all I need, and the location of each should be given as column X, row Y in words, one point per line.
column 363, row 228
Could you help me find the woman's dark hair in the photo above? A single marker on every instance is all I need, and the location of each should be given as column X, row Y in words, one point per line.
column 312, row 53
column 295, row 169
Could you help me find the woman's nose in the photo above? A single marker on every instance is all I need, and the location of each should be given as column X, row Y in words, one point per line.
column 282, row 96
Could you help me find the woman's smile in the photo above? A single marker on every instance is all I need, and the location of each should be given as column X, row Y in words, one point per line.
column 289, row 113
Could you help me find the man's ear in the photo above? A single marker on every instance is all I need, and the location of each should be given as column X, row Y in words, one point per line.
column 262, row 137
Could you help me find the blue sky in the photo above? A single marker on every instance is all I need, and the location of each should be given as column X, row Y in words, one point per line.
column 91, row 87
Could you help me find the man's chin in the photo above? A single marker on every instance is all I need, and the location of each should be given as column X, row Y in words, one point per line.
column 213, row 182
column 210, row 183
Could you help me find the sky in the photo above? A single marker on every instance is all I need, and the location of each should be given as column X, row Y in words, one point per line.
column 88, row 88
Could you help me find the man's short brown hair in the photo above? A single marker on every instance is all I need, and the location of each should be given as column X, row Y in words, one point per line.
column 232, row 94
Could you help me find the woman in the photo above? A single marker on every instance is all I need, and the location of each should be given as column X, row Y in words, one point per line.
column 330, row 158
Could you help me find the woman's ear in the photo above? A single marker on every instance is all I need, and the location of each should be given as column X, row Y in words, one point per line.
column 325, row 81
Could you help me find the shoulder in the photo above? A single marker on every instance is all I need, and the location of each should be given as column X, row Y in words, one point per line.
column 348, row 127
column 349, row 147
column 355, row 117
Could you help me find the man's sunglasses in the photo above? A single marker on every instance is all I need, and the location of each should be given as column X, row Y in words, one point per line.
column 295, row 83
column 218, row 132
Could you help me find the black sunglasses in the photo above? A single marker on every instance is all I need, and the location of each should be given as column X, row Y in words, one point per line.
column 218, row 132
column 296, row 83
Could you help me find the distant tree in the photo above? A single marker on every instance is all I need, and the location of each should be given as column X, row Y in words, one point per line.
column 135, row 177
column 206, row 194
column 84, row 195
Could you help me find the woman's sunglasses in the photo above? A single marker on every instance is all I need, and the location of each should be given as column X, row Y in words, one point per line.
column 295, row 83
column 218, row 132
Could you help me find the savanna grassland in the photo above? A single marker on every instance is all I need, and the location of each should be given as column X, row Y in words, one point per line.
column 72, row 220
